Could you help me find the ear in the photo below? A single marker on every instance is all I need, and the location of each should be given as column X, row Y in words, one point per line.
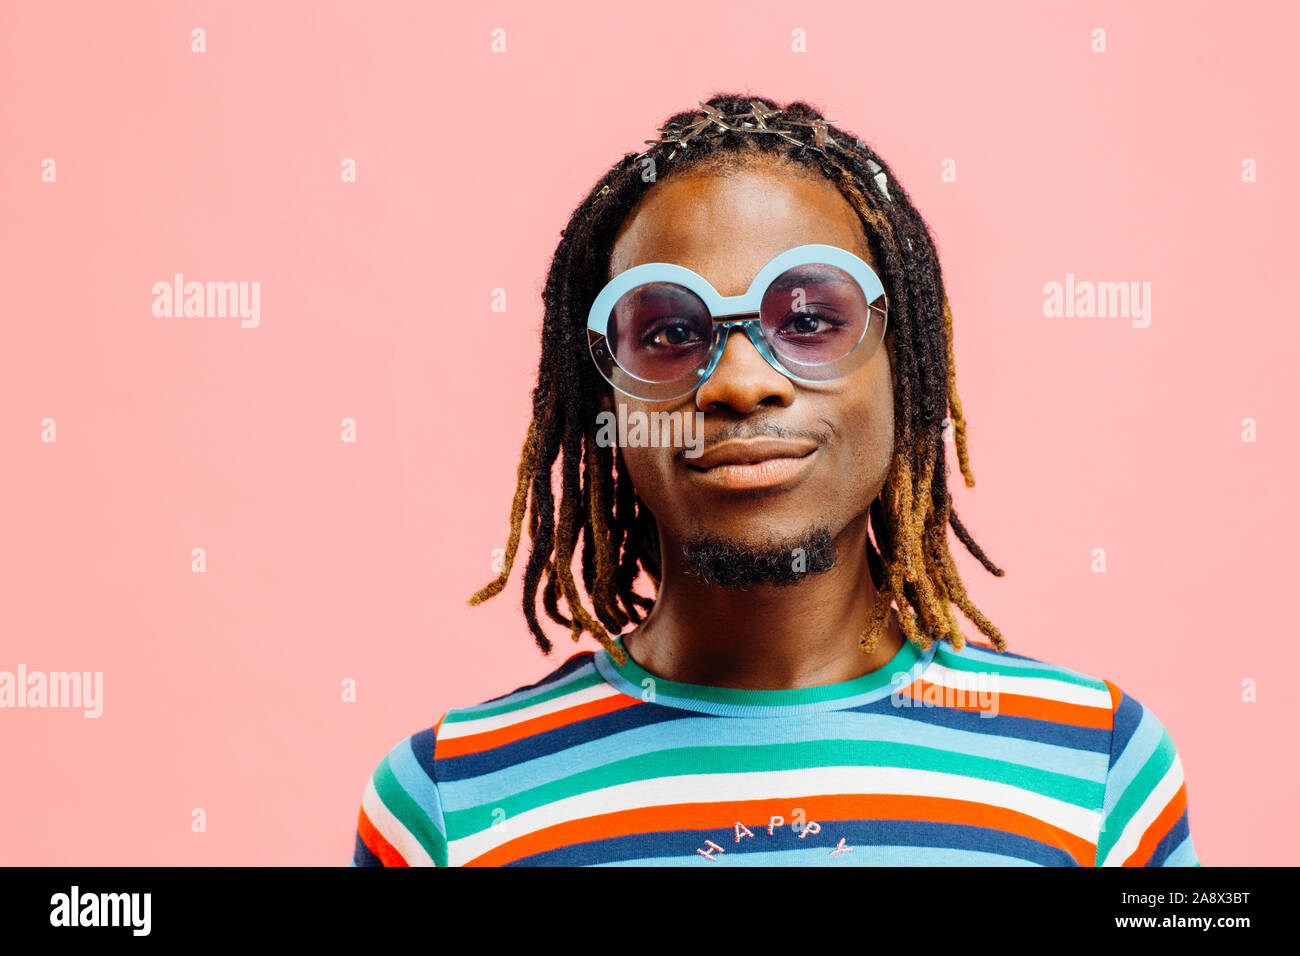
column 888, row 344
column 891, row 347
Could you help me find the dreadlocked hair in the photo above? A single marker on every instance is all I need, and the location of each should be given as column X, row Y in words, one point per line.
column 909, row 560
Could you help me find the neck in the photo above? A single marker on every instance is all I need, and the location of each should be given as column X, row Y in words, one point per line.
column 765, row 637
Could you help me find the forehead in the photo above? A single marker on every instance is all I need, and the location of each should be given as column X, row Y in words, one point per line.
column 726, row 226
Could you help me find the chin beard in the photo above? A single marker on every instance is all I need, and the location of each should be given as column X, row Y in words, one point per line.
column 736, row 564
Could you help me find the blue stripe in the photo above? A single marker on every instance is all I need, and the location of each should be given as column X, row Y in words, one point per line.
column 413, row 778
column 1183, row 855
column 1177, row 835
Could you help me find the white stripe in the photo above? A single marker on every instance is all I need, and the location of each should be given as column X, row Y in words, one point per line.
column 1146, row 814
column 392, row 829
column 1040, row 687
column 801, row 784
column 465, row 728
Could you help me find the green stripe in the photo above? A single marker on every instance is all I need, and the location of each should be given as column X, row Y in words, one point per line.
column 957, row 663
column 902, row 661
column 461, row 715
column 693, row 761
column 408, row 812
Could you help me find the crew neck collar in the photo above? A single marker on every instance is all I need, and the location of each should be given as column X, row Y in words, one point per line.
column 633, row 680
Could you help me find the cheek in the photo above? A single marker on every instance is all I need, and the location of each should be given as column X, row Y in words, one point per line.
column 868, row 429
column 883, row 418
column 649, row 466
column 641, row 467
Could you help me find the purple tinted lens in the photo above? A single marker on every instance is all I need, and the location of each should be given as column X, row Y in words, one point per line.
column 813, row 314
column 660, row 331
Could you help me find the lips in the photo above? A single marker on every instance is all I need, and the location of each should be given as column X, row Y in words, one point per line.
column 748, row 464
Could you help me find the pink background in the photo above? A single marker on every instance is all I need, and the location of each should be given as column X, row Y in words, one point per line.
column 329, row 560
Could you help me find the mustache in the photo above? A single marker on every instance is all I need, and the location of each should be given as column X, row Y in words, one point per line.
column 729, row 431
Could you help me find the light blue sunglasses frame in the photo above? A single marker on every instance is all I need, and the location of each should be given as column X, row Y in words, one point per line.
column 741, row 311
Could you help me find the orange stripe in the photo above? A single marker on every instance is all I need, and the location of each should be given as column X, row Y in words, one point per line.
column 475, row 743
column 1019, row 705
column 441, row 745
column 1115, row 695
column 574, row 656
column 380, row 847
column 1158, row 829
column 712, row 816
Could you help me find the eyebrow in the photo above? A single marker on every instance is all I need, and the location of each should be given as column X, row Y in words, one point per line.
column 813, row 271
column 660, row 290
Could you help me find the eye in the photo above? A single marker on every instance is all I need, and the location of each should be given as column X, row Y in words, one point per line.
column 672, row 334
column 810, row 323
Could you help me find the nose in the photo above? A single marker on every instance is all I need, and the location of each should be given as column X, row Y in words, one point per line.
column 742, row 380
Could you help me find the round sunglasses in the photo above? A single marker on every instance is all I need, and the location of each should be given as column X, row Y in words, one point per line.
column 814, row 312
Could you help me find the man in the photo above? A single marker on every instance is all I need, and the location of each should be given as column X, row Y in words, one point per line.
column 771, row 281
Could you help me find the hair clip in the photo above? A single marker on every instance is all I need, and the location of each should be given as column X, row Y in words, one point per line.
column 880, row 178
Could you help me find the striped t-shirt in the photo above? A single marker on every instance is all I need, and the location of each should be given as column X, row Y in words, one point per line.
column 940, row 758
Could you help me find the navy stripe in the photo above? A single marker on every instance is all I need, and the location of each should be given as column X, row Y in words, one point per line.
column 422, row 745
column 361, row 855
column 1176, row 835
column 557, row 739
column 856, row 834
column 1089, row 739
column 1127, row 717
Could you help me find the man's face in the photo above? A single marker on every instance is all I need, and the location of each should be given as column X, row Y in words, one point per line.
column 788, row 460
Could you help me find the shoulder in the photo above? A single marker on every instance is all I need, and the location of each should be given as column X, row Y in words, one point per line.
column 561, row 686
column 401, row 821
column 413, row 763
column 976, row 655
column 524, row 711
column 415, row 758
column 1056, row 690
column 1143, row 816
column 1145, row 813
column 1025, row 686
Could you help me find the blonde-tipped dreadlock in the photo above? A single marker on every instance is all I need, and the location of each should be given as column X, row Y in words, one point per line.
column 910, row 563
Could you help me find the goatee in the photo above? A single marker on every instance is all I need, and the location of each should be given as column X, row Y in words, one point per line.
column 783, row 561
